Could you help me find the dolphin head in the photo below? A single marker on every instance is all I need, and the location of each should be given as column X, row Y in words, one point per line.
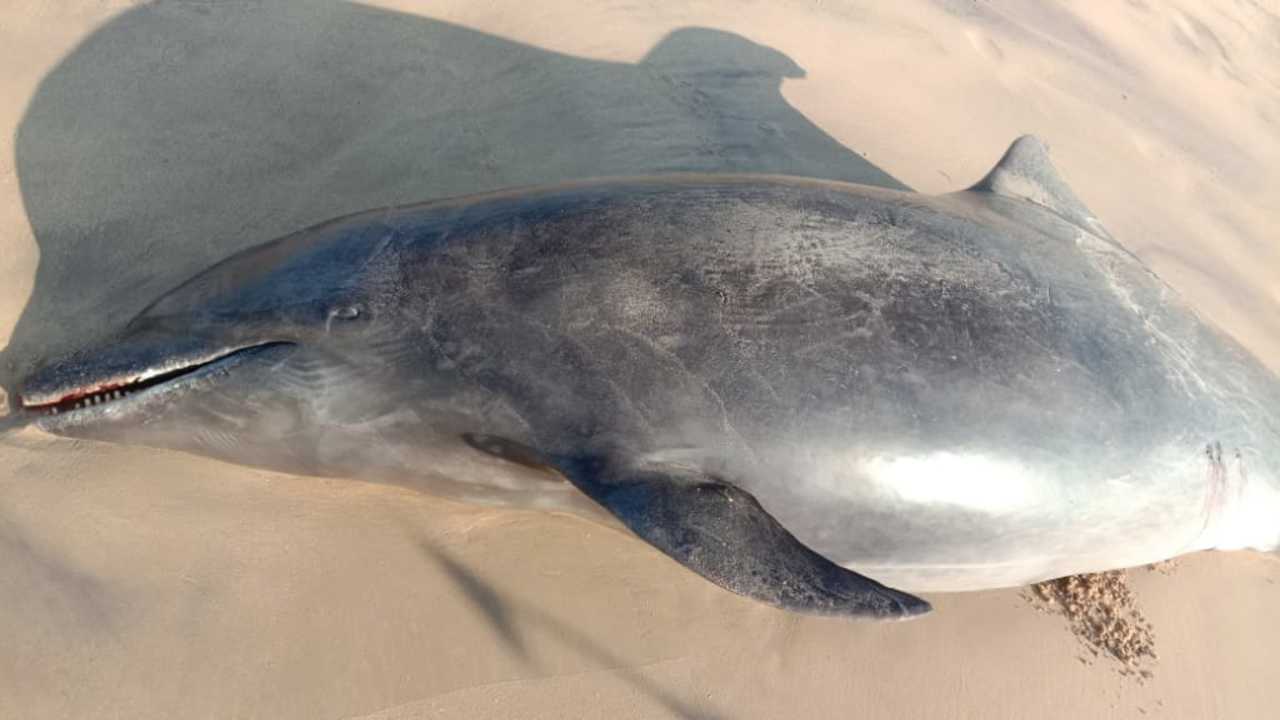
column 250, row 360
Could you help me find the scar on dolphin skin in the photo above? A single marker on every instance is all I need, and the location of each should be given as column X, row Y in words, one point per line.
column 1215, row 495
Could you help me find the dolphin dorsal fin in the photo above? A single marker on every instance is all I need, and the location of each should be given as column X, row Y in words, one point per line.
column 1026, row 173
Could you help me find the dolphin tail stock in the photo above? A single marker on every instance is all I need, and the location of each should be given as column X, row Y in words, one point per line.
column 723, row 533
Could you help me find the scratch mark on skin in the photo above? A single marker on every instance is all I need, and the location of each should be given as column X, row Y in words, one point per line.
column 616, row 390
column 1244, row 476
column 816, row 348
column 1181, row 365
column 561, row 339
column 377, row 251
column 773, row 312
column 766, row 384
column 1215, row 495
column 674, row 362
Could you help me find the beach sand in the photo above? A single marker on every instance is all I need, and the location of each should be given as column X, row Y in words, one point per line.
column 149, row 140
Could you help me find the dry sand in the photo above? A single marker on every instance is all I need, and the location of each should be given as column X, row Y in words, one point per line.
column 149, row 140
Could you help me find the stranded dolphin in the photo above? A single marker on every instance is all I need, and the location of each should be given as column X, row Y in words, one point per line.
column 775, row 381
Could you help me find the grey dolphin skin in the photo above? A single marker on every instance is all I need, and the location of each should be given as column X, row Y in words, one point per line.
column 789, row 386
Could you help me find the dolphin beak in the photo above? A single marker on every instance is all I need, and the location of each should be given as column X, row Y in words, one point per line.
column 105, row 378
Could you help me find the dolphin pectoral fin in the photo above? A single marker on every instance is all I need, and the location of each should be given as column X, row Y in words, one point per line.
column 722, row 533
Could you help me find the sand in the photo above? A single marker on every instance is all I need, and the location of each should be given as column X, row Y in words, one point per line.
column 148, row 140
column 1104, row 616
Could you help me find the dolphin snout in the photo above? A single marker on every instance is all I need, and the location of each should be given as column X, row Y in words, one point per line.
column 108, row 374
column 106, row 369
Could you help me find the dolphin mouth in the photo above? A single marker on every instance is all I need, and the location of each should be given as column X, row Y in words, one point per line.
column 116, row 390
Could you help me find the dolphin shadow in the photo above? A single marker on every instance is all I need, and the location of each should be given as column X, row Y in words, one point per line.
column 179, row 133
column 502, row 616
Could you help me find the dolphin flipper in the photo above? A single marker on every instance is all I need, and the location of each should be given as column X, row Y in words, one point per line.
column 722, row 533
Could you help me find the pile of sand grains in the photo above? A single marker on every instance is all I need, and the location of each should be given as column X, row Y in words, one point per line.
column 1102, row 614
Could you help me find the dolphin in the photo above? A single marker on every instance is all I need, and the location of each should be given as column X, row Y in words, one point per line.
column 823, row 396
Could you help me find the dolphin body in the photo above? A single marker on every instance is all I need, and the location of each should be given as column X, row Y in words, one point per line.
column 776, row 381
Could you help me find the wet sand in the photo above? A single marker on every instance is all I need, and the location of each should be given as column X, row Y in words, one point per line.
column 149, row 140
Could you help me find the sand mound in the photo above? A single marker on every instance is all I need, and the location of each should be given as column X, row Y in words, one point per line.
column 1101, row 612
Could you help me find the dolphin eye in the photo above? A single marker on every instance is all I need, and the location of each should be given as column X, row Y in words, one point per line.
column 342, row 313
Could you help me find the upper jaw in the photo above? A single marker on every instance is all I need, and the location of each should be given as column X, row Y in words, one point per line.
column 112, row 379
column 112, row 366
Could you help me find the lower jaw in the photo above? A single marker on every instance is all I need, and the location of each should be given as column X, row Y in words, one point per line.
column 83, row 422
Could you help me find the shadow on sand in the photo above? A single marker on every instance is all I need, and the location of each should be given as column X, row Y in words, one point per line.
column 506, row 617
column 179, row 133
